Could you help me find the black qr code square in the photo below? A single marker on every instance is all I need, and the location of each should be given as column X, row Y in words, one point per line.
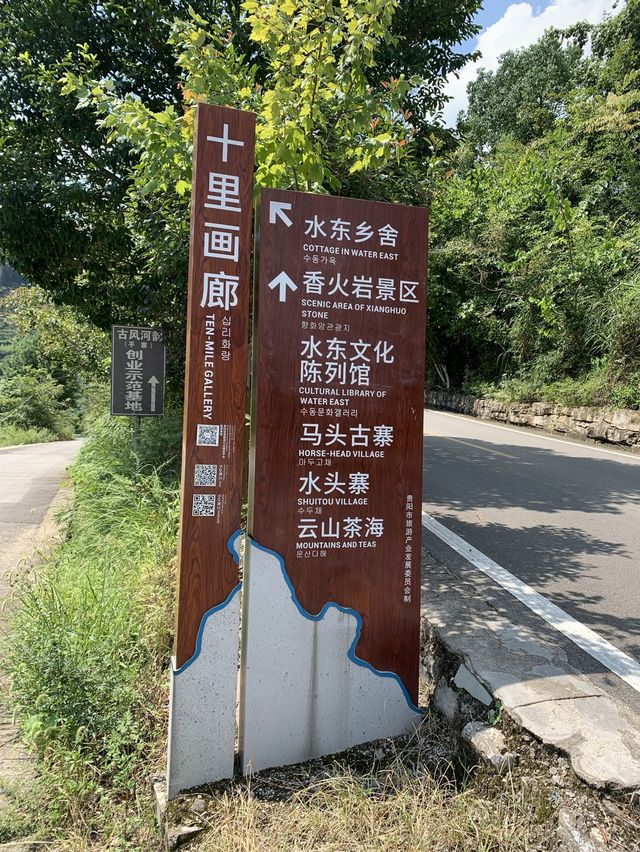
column 207, row 436
column 206, row 474
column 204, row 505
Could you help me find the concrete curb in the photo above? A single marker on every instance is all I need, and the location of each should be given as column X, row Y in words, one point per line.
column 617, row 427
column 535, row 684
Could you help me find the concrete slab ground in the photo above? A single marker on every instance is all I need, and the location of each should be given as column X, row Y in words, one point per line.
column 526, row 667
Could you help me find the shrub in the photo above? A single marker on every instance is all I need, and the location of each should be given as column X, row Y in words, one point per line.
column 12, row 435
column 91, row 639
column 601, row 386
column 32, row 399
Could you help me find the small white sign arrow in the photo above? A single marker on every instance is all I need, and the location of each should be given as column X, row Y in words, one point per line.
column 154, row 384
column 276, row 211
column 283, row 282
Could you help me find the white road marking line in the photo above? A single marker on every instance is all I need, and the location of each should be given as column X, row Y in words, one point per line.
column 472, row 444
column 624, row 666
column 630, row 456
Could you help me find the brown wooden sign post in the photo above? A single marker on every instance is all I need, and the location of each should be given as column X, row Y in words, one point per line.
column 204, row 672
column 332, row 592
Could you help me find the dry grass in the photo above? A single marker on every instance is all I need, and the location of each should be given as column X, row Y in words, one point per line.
column 408, row 800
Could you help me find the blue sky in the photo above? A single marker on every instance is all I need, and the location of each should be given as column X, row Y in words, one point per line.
column 508, row 25
column 491, row 12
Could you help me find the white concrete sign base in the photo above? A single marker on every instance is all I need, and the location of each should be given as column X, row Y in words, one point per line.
column 202, row 702
column 304, row 692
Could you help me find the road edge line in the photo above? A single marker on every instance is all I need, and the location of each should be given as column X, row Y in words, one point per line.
column 621, row 664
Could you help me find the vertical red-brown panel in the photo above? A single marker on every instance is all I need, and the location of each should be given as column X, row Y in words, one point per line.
column 339, row 402
column 216, row 365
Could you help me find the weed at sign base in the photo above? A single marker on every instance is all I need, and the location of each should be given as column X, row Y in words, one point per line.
column 389, row 796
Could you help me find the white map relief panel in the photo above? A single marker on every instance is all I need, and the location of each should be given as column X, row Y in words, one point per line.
column 305, row 693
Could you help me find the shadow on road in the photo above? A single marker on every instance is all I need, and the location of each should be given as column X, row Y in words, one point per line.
column 530, row 478
column 478, row 475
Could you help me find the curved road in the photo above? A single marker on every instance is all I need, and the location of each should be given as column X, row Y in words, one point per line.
column 30, row 476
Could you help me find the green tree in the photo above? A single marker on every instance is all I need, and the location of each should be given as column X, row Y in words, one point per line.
column 53, row 358
column 527, row 93
column 616, row 48
column 536, row 235
column 64, row 216
column 424, row 35
column 62, row 185
column 32, row 399
column 321, row 124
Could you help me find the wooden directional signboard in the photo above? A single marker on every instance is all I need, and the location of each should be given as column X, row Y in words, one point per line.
column 137, row 371
column 331, row 598
column 203, row 685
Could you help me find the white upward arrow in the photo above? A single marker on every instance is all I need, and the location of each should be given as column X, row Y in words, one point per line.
column 276, row 211
column 282, row 281
column 154, row 383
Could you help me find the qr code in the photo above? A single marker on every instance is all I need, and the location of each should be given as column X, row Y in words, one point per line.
column 206, row 474
column 208, row 436
column 204, row 506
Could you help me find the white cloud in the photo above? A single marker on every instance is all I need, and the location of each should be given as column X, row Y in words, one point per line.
column 520, row 26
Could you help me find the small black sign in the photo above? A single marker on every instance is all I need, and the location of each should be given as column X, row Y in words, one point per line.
column 137, row 371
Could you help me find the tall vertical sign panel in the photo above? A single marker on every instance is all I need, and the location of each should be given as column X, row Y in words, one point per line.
column 204, row 671
column 331, row 600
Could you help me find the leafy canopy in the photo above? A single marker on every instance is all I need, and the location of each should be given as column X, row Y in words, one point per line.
column 528, row 91
column 321, row 124
column 62, row 185
column 65, row 207
column 536, row 225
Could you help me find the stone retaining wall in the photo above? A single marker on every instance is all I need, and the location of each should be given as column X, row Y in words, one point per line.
column 620, row 426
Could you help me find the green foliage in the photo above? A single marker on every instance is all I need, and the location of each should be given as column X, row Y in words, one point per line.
column 11, row 436
column 66, row 221
column 527, row 93
column 423, row 33
column 616, row 47
column 90, row 647
column 33, row 399
column 61, row 184
column 597, row 387
column 67, row 344
column 48, row 368
column 536, row 228
column 625, row 330
column 322, row 124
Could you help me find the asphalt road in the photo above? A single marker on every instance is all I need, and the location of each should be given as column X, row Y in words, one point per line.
column 562, row 516
column 29, row 478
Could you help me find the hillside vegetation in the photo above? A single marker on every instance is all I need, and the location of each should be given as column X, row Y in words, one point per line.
column 535, row 277
column 535, row 197
column 51, row 363
column 535, row 292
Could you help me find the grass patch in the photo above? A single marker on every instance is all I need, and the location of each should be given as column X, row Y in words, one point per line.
column 91, row 640
column 415, row 796
column 597, row 388
column 11, row 436
column 88, row 660
column 15, row 819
